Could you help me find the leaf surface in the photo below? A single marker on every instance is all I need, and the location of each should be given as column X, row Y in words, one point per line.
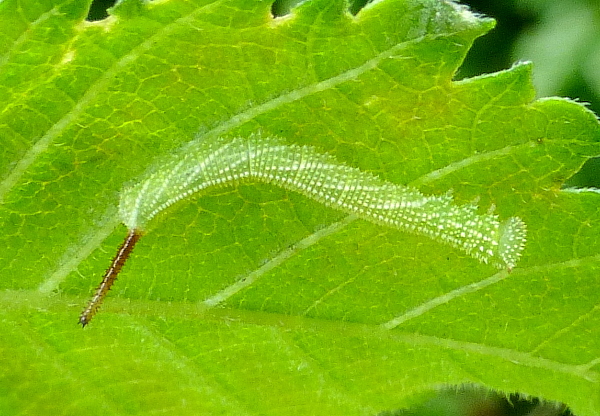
column 255, row 300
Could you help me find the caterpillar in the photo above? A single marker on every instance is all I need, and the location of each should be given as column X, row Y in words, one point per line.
column 220, row 162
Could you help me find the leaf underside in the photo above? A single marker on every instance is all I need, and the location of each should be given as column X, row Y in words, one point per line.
column 254, row 300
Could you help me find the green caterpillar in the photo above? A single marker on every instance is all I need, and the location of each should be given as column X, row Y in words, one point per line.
column 213, row 163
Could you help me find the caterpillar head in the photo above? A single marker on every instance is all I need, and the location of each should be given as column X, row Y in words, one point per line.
column 513, row 233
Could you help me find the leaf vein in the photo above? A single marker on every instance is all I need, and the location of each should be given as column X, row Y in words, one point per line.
column 284, row 255
column 39, row 147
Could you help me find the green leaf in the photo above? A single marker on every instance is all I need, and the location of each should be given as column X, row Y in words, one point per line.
column 254, row 300
column 564, row 46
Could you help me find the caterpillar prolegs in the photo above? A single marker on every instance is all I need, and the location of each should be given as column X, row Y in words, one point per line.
column 221, row 162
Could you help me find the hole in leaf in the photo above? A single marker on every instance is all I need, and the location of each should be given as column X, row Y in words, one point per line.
column 357, row 5
column 99, row 10
column 281, row 8
column 476, row 401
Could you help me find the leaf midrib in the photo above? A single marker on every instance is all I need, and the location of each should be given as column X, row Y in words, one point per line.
column 140, row 310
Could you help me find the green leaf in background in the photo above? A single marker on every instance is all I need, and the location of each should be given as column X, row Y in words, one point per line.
column 565, row 46
column 253, row 300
